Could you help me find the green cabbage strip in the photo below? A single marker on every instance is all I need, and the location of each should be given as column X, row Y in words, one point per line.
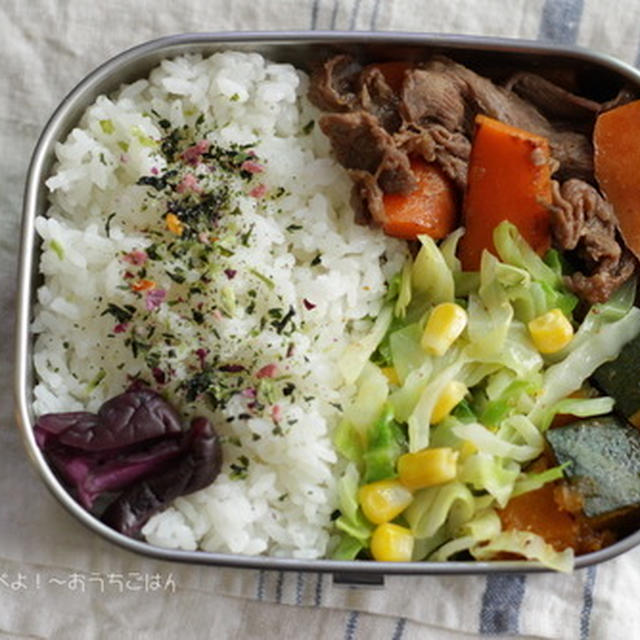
column 420, row 419
column 372, row 394
column 532, row 481
column 357, row 354
column 580, row 407
column 404, row 291
column 430, row 274
column 495, row 444
column 568, row 375
column 404, row 355
column 483, row 527
column 493, row 474
column 385, row 443
column 526, row 544
column 544, row 292
column 513, row 249
column 354, row 526
column 432, row 507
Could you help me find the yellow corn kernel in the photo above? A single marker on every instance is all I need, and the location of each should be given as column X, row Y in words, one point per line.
column 428, row 467
column 551, row 331
column 445, row 324
column 383, row 500
column 392, row 543
column 391, row 375
column 451, row 396
column 173, row 224
column 467, row 449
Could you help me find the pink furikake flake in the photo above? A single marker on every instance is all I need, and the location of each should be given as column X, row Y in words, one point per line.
column 268, row 371
column 121, row 327
column 154, row 171
column 250, row 393
column 154, row 298
column 189, row 183
column 251, row 166
column 308, row 305
column 276, row 413
column 202, row 355
column 136, row 257
column 193, row 155
column 259, row 191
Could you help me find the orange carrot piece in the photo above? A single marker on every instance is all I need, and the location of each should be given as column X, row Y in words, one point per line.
column 430, row 209
column 143, row 285
column 509, row 179
column 616, row 139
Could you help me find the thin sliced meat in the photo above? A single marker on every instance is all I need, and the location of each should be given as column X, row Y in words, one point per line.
column 584, row 222
column 360, row 143
column 367, row 192
column 436, row 94
column 379, row 99
column 435, row 143
column 333, row 85
column 551, row 100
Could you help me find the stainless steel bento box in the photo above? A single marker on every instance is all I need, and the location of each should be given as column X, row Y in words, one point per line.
column 302, row 50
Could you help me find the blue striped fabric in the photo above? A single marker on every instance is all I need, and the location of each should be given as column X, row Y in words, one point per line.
column 587, row 603
column 260, row 586
column 561, row 21
column 279, row 586
column 300, row 585
column 398, row 630
column 317, row 601
column 352, row 625
column 501, row 604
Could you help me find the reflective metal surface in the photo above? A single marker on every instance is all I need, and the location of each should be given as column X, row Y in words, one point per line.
column 600, row 72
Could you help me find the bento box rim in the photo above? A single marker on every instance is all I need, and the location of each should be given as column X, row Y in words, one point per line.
column 147, row 54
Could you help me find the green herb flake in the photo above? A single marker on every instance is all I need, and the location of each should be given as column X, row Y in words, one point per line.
column 240, row 469
column 143, row 138
column 228, row 301
column 107, row 226
column 100, row 376
column 107, row 127
column 56, row 247
column 268, row 281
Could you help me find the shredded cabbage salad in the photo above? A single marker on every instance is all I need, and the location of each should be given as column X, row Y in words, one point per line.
column 511, row 394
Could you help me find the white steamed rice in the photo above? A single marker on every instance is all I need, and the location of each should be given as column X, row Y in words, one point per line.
column 276, row 491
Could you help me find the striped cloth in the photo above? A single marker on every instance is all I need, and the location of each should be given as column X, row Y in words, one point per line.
column 58, row 580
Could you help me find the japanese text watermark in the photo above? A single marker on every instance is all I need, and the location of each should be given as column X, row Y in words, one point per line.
column 84, row 582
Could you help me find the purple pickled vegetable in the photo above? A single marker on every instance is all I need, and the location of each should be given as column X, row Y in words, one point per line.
column 131, row 417
column 92, row 474
column 197, row 468
column 135, row 437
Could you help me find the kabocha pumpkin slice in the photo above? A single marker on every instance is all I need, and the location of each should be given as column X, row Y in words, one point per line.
column 604, row 461
column 620, row 379
column 509, row 179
